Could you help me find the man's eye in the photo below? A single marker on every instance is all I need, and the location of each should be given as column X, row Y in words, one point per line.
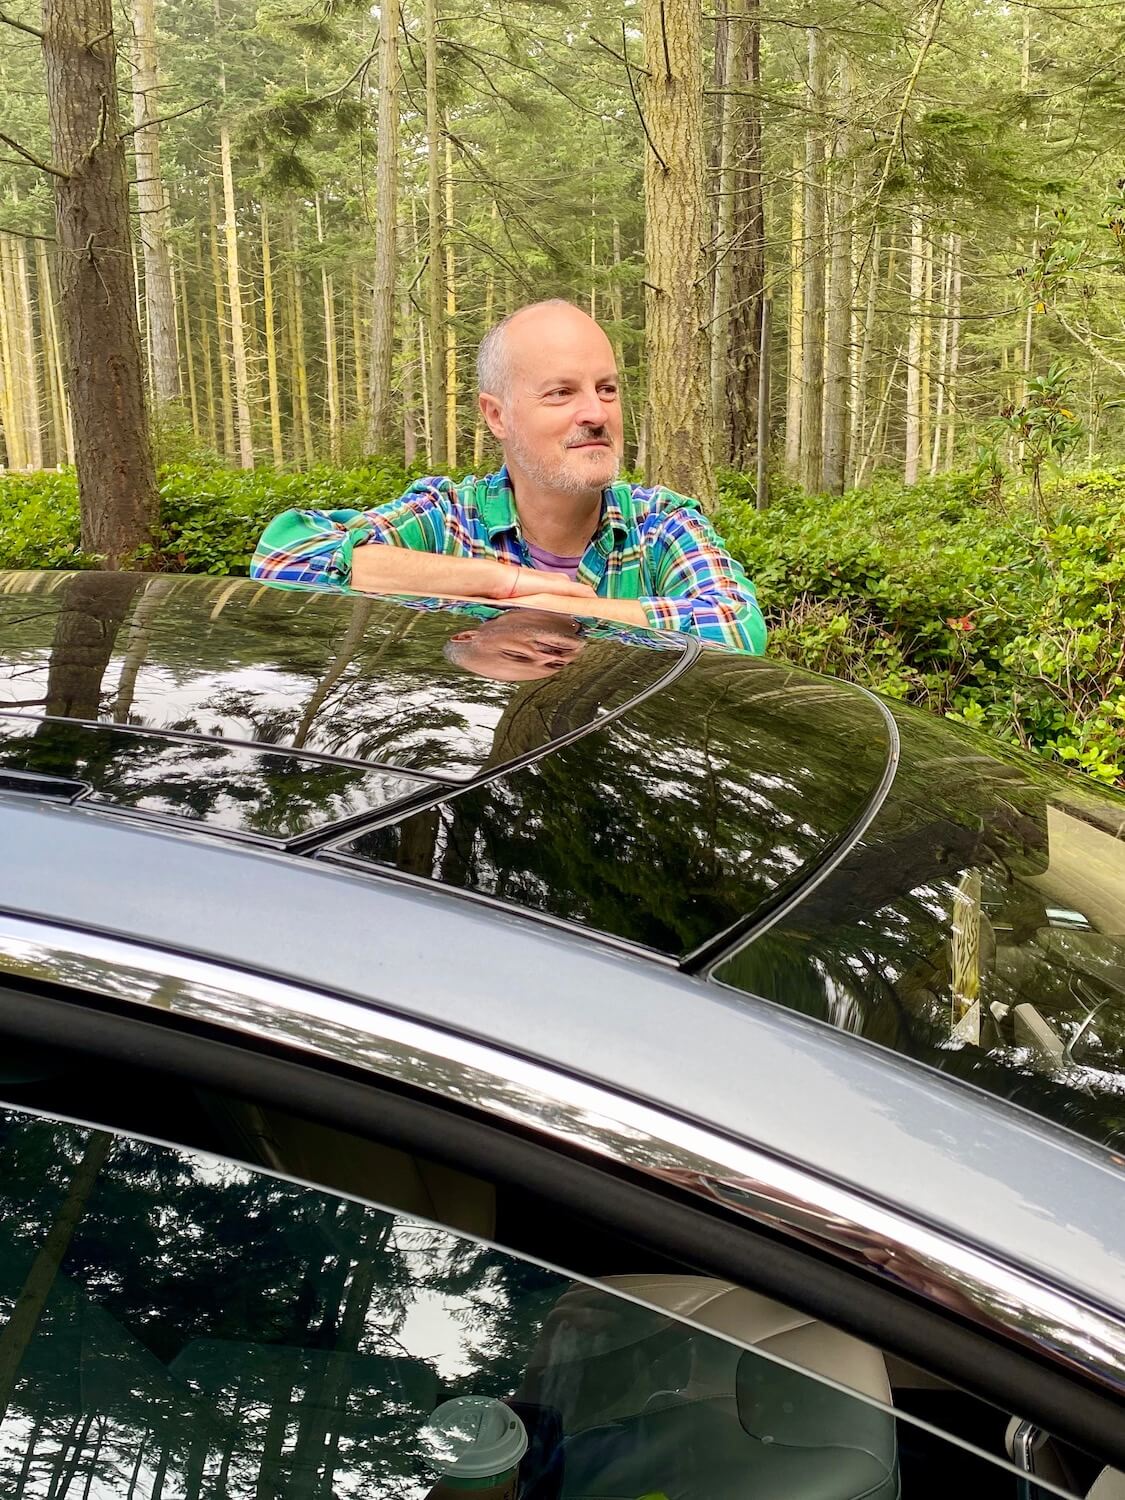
column 608, row 390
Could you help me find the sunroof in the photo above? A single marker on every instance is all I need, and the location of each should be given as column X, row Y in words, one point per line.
column 312, row 672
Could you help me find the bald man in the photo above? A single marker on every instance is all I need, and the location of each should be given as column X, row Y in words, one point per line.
column 554, row 529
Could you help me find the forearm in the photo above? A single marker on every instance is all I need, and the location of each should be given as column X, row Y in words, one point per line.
column 381, row 569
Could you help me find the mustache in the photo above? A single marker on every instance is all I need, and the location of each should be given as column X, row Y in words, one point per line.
column 588, row 435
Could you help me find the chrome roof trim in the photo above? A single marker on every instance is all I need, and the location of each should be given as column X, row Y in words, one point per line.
column 978, row 1287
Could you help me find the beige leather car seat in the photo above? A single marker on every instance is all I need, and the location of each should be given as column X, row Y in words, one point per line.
column 650, row 1405
column 1109, row 1485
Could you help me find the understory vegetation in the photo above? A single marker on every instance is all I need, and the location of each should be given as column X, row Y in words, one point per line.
column 1003, row 613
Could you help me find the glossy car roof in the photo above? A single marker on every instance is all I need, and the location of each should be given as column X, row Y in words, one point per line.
column 650, row 791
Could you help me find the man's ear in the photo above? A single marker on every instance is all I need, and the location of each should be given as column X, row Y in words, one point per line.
column 463, row 635
column 493, row 413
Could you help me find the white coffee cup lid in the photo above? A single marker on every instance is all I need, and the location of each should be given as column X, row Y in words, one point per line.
column 474, row 1437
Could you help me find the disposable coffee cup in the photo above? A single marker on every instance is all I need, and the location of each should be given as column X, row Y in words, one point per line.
column 475, row 1443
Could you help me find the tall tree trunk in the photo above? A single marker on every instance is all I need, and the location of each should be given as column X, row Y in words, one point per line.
column 331, row 359
column 234, row 300
column 812, row 329
column 55, row 402
column 859, row 410
column 726, row 41
column 925, row 361
column 954, row 347
column 269, row 319
column 748, row 257
column 300, row 363
column 117, row 492
column 381, row 416
column 489, row 316
column 222, row 325
column 435, row 302
column 836, row 361
column 34, row 423
column 153, row 211
column 679, row 450
column 359, row 358
column 189, row 352
column 794, row 389
column 11, row 403
column 914, row 354
column 943, row 355
column 452, row 390
column 28, row 1309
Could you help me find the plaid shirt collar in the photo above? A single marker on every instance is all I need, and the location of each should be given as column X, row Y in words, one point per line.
column 496, row 502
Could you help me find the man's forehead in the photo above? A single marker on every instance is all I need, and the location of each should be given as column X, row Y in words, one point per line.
column 543, row 349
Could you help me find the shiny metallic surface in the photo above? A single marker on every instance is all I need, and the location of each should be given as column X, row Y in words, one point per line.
column 995, row 1295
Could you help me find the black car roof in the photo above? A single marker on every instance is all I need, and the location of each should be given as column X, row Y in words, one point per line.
column 650, row 791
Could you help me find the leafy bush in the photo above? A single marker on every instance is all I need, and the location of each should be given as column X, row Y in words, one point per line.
column 932, row 595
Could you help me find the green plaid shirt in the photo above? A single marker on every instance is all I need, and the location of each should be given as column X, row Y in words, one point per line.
column 652, row 546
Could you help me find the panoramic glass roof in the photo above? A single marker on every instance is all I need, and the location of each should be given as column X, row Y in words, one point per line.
column 671, row 824
column 332, row 674
column 272, row 711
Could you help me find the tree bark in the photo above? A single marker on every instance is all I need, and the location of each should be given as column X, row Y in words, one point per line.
column 914, row 355
column 234, row 300
column 34, row 423
column 679, row 445
column 435, row 284
column 270, row 321
column 839, row 302
column 812, row 330
column 117, row 492
column 331, row 359
column 748, row 237
column 222, row 326
column 380, row 420
column 954, row 347
column 451, row 386
column 159, row 301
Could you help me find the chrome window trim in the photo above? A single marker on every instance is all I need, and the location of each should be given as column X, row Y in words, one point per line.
column 990, row 1293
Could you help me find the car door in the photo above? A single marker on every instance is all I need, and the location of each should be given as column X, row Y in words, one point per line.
column 229, row 1269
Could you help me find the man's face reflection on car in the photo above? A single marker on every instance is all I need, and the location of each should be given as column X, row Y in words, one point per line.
column 519, row 645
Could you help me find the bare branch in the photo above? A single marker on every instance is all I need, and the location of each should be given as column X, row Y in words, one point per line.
column 163, row 119
column 637, row 102
column 44, row 166
column 22, row 234
column 19, row 25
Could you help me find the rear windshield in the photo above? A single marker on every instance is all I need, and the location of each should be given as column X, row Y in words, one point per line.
column 979, row 927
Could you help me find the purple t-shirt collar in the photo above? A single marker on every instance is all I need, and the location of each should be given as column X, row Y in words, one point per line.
column 552, row 562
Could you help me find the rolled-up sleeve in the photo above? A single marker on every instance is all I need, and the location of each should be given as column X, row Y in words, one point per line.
column 699, row 587
column 316, row 546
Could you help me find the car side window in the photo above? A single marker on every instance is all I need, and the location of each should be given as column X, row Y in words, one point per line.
column 181, row 1325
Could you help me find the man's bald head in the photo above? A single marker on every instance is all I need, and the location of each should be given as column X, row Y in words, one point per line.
column 528, row 325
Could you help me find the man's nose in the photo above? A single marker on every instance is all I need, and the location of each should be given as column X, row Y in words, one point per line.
column 588, row 409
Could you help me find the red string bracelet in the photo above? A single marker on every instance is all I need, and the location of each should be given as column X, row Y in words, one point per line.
column 511, row 594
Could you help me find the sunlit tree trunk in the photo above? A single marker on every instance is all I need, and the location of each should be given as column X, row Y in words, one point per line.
column 33, row 421
column 926, row 357
column 914, row 354
column 331, row 358
column 359, row 358
column 9, row 401
column 269, row 320
column 859, row 399
column 222, row 330
column 435, row 280
column 117, row 491
column 380, row 419
column 489, row 315
column 812, row 329
column 234, row 300
column 300, row 365
column 153, row 213
column 55, row 406
column 838, row 321
column 679, row 449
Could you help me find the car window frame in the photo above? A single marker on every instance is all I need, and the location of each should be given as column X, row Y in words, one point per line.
column 746, row 1216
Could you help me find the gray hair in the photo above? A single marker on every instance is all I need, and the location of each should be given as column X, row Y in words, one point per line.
column 493, row 366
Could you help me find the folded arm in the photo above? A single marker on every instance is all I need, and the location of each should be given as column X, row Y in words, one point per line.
column 700, row 588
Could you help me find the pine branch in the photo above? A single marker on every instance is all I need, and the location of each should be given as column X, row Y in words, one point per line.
column 43, row 166
column 163, row 119
column 6, row 20
column 22, row 234
column 637, row 102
